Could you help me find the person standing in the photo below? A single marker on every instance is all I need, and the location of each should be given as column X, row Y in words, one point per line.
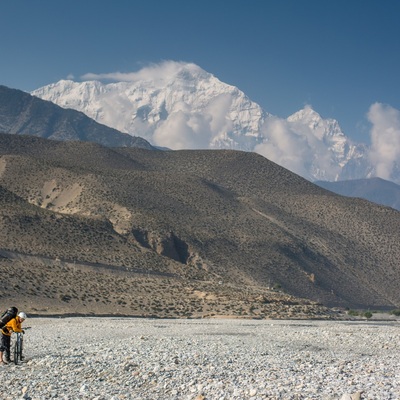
column 14, row 325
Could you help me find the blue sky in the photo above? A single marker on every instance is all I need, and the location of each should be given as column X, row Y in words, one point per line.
column 338, row 56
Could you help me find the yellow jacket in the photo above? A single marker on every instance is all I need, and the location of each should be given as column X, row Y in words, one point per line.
column 13, row 325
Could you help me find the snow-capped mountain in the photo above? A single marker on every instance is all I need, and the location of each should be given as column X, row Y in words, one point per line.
column 335, row 157
column 181, row 106
column 177, row 107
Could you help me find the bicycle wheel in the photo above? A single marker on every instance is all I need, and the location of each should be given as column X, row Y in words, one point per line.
column 17, row 349
column 21, row 347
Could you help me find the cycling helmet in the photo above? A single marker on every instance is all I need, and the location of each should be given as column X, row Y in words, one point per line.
column 22, row 315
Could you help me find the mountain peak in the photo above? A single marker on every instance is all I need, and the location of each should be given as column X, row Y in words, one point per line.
column 179, row 105
column 173, row 104
column 305, row 113
column 322, row 127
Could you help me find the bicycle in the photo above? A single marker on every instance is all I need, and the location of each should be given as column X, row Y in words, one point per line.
column 18, row 347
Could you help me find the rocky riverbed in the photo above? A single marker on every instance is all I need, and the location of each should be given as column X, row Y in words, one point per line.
column 122, row 358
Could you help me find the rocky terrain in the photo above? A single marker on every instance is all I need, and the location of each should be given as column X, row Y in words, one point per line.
column 146, row 359
column 94, row 230
column 53, row 287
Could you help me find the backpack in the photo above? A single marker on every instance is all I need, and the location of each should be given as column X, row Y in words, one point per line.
column 8, row 315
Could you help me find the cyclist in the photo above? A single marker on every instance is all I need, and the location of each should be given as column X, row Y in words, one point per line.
column 14, row 325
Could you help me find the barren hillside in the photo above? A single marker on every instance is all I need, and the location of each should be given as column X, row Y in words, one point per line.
column 221, row 225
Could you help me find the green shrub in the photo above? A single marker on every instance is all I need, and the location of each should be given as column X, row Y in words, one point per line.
column 395, row 312
column 368, row 314
column 277, row 286
column 353, row 313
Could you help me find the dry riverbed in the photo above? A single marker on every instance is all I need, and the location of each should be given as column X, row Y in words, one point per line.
column 124, row 358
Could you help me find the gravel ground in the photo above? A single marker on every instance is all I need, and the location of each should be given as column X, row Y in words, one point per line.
column 122, row 358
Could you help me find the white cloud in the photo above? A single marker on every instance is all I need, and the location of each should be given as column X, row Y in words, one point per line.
column 218, row 110
column 284, row 146
column 295, row 146
column 385, row 138
column 154, row 72
column 183, row 130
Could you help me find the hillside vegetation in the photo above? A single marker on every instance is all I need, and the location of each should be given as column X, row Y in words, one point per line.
column 184, row 233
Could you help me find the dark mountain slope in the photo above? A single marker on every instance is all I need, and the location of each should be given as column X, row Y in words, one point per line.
column 376, row 190
column 23, row 114
column 221, row 216
column 91, row 155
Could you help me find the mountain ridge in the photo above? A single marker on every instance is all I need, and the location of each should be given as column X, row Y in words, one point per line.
column 189, row 108
column 377, row 190
column 21, row 113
